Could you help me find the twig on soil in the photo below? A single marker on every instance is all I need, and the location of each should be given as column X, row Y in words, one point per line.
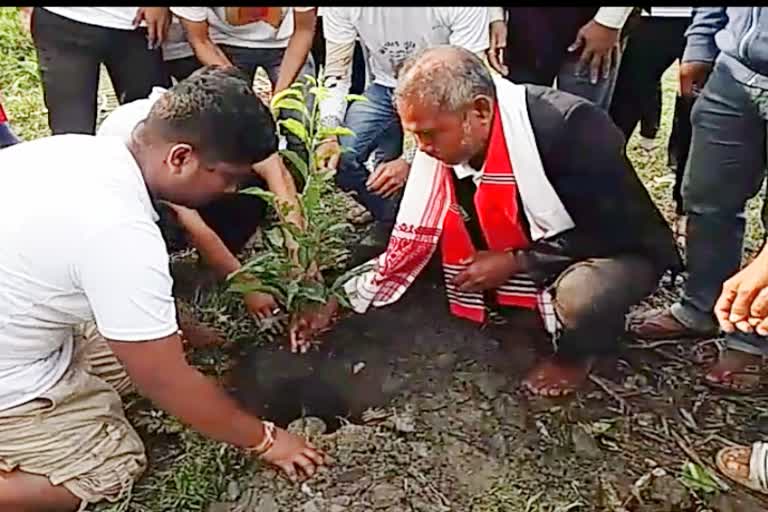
column 652, row 345
column 672, row 357
column 445, row 503
column 605, row 387
column 691, row 453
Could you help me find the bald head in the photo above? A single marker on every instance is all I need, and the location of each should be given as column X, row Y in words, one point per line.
column 446, row 76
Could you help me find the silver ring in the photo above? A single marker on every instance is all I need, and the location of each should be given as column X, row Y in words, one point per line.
column 275, row 311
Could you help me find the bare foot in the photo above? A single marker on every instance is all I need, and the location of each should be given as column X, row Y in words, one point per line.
column 556, row 377
column 736, row 371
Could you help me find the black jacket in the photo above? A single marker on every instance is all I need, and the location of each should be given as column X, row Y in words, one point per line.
column 582, row 152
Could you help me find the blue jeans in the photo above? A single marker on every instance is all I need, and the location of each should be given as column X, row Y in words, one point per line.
column 376, row 127
column 726, row 167
column 7, row 137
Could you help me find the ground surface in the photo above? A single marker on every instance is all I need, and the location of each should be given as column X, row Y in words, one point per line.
column 438, row 422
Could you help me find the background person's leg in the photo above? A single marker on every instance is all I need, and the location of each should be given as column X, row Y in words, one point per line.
column 680, row 147
column 69, row 55
column 371, row 121
column 134, row 69
column 7, row 136
column 650, row 118
column 726, row 167
column 653, row 46
column 180, row 69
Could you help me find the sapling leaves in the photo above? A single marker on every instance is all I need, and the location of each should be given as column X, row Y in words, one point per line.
column 291, row 265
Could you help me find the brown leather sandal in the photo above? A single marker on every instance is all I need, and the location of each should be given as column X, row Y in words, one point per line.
column 660, row 324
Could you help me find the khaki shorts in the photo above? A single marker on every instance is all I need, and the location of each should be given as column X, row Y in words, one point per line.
column 76, row 434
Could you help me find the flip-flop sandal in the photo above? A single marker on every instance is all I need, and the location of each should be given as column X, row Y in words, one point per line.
column 726, row 381
column 758, row 466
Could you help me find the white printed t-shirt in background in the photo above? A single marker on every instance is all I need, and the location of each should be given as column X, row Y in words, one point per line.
column 391, row 35
column 80, row 242
column 259, row 34
column 109, row 17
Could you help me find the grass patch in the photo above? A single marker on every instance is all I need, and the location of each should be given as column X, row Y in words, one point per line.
column 19, row 78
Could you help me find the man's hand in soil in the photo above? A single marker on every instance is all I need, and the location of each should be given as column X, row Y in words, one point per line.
column 388, row 178
column 308, row 324
column 599, row 47
column 158, row 19
column 294, row 456
column 261, row 305
column 693, row 76
column 743, row 303
column 486, row 270
column 161, row 373
column 328, row 154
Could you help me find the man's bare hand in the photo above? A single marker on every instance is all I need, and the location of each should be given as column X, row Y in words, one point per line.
column 486, row 270
column 158, row 19
column 388, row 178
column 743, row 303
column 328, row 154
column 693, row 76
column 309, row 324
column 599, row 47
column 296, row 457
column 261, row 305
column 498, row 46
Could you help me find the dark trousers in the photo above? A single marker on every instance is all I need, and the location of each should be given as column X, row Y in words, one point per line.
column 7, row 137
column 592, row 297
column 70, row 53
column 726, row 168
column 655, row 44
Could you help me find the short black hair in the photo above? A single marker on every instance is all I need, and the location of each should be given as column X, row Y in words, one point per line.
column 216, row 111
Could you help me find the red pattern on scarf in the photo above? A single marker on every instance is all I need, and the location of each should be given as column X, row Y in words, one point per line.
column 497, row 204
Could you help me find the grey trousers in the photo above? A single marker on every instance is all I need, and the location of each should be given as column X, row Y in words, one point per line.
column 726, row 167
column 591, row 299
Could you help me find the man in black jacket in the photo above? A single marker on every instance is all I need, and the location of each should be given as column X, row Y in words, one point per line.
column 609, row 250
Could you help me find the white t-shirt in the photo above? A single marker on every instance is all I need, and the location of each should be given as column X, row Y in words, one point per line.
column 121, row 121
column 79, row 242
column 391, row 35
column 670, row 12
column 259, row 34
column 110, row 17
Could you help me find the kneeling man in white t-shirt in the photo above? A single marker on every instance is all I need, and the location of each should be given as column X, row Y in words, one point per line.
column 220, row 229
column 80, row 244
